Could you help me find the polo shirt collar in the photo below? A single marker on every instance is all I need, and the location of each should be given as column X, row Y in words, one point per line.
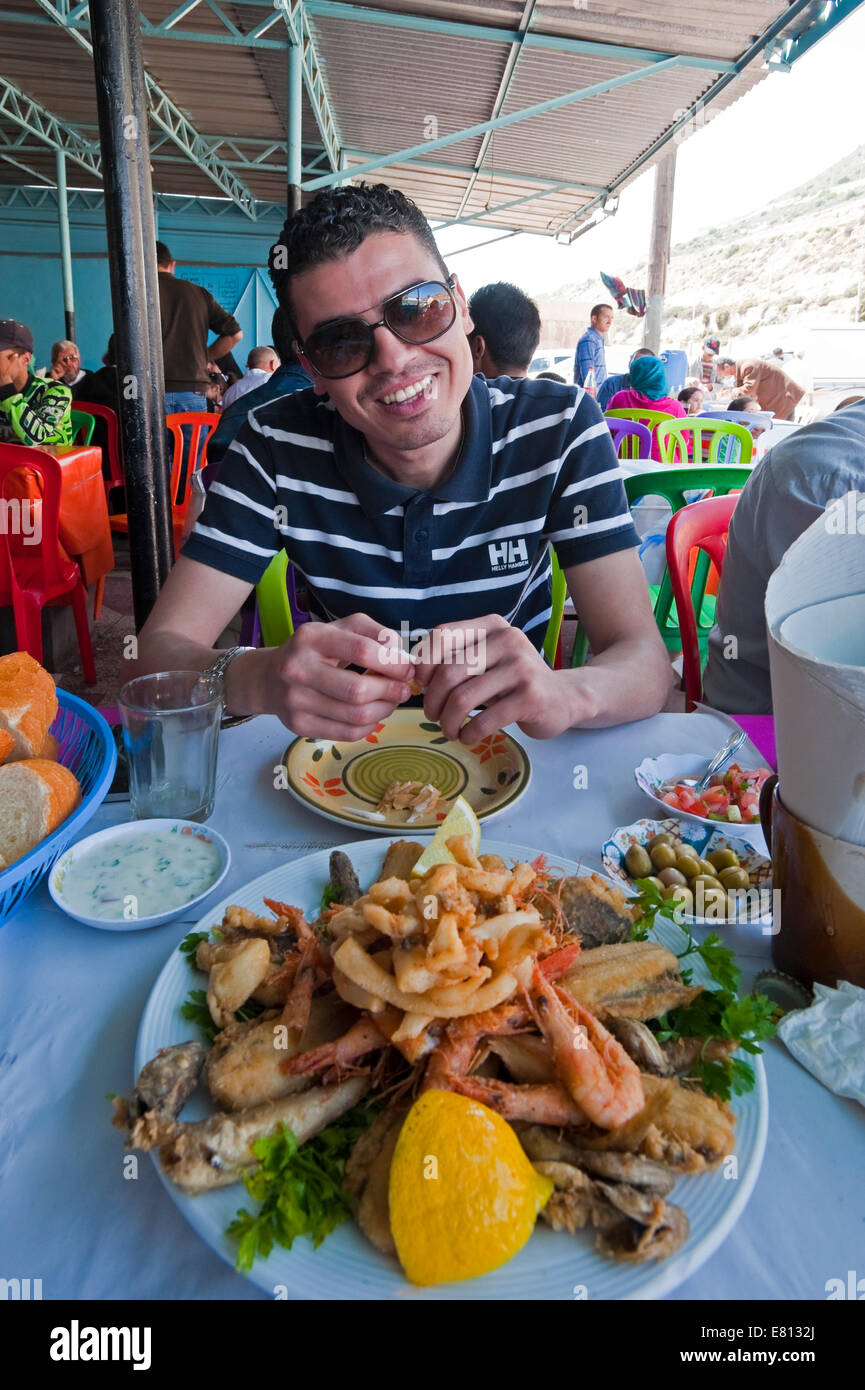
column 469, row 482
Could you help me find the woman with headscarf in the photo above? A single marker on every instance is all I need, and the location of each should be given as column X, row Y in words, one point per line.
column 648, row 391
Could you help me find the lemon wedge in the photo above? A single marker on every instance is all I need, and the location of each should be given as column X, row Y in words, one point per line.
column 460, row 820
column 463, row 1196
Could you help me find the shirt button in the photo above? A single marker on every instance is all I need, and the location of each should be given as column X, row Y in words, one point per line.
column 421, row 535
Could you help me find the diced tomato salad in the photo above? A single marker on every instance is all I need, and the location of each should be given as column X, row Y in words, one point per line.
column 732, row 796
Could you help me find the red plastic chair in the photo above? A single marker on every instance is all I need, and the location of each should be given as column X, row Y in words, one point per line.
column 202, row 425
column 702, row 526
column 33, row 576
column 112, row 453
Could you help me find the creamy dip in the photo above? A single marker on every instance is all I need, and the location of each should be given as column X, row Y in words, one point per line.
column 140, row 875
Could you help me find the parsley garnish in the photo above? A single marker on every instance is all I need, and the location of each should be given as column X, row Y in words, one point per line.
column 329, row 896
column 299, row 1188
column 190, row 943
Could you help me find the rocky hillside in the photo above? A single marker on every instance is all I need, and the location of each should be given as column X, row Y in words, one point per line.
column 794, row 265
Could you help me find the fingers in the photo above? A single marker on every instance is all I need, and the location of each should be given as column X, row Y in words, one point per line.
column 317, row 716
column 355, row 641
column 459, row 699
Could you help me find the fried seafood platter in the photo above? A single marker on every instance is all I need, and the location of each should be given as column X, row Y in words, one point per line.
column 480, row 1070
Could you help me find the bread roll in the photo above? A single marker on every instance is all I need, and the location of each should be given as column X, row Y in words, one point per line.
column 28, row 703
column 35, row 797
column 7, row 743
column 49, row 749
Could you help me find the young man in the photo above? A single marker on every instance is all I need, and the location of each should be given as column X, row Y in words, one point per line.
column 32, row 410
column 412, row 496
column 507, row 330
column 188, row 314
column 590, row 354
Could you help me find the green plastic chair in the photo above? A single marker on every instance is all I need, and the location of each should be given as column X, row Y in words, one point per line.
column 274, row 610
column 83, row 426
column 728, row 442
column 650, row 418
column 672, row 486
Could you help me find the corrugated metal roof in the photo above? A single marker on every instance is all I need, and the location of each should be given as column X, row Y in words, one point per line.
column 390, row 87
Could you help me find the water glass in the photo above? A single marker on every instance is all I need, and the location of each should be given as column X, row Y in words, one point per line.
column 171, row 734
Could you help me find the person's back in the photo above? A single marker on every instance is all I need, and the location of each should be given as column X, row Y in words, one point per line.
column 185, row 312
column 787, row 491
column 770, row 385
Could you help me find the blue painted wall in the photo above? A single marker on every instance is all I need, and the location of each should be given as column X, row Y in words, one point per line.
column 223, row 250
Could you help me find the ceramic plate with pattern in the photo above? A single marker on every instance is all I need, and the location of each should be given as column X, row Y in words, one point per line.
column 346, row 781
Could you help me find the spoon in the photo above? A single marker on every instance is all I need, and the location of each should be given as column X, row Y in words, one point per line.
column 723, row 755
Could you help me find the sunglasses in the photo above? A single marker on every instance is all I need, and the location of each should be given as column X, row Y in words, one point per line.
column 417, row 315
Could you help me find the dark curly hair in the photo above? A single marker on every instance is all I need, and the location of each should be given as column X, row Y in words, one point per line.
column 509, row 322
column 335, row 223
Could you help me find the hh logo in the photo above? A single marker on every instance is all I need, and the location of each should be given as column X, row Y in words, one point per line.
column 509, row 555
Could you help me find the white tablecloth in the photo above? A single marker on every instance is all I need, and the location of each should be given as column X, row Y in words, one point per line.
column 72, row 1000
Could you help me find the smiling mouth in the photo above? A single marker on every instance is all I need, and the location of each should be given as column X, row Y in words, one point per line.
column 408, row 393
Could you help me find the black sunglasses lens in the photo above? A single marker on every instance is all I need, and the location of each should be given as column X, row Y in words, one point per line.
column 339, row 349
column 422, row 313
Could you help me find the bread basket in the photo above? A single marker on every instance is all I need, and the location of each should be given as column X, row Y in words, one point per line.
column 86, row 747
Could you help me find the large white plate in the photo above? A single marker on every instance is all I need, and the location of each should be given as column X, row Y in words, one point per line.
column 346, row 1266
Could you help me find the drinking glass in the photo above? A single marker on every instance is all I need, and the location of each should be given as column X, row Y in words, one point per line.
column 171, row 734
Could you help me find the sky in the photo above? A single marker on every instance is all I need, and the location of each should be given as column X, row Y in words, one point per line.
column 786, row 130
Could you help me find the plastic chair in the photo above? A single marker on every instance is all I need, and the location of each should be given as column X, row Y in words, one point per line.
column 278, row 612
column 630, row 439
column 111, row 451
column 700, row 525
column 676, row 437
column 650, row 418
column 83, row 426
column 29, row 581
column 673, row 486
column 202, row 425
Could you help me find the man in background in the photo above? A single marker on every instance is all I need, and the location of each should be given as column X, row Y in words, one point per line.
column 773, row 388
column 507, row 330
column 590, row 355
column 289, row 376
column 65, row 364
column 793, row 485
column 261, row 363
column 32, row 410
column 189, row 314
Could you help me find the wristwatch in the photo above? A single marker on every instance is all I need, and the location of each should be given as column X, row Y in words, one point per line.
column 217, row 671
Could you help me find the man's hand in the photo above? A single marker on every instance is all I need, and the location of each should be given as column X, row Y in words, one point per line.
column 305, row 684
column 487, row 662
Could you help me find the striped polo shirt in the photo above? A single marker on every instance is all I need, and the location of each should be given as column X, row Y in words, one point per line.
column 537, row 468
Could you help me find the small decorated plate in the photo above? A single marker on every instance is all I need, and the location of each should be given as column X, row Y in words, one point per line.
column 654, row 774
column 753, row 910
column 346, row 781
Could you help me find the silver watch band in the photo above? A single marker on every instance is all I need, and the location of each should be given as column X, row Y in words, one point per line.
column 220, row 666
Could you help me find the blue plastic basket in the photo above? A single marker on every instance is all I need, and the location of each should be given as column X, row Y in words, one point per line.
column 86, row 747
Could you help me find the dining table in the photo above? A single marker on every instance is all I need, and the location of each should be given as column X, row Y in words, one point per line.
column 84, row 530
column 78, row 1216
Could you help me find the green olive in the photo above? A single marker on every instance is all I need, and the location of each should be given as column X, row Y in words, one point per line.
column 684, row 899
column 706, row 867
column 703, row 883
column 735, row 905
column 688, row 864
column 663, row 838
column 672, row 877
column 714, row 903
column 734, row 877
column 657, row 882
column 637, row 862
column 687, row 848
column 723, row 858
column 663, row 856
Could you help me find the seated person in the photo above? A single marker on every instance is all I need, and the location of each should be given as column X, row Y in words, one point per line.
column 648, row 391
column 32, row 409
column 793, row 485
column 261, row 363
column 65, row 364
column 620, row 382
column 411, row 495
column 692, row 398
column 507, row 330
column 289, row 376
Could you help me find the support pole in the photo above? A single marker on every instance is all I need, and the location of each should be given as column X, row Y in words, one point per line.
column 293, row 132
column 123, row 131
column 65, row 247
column 659, row 254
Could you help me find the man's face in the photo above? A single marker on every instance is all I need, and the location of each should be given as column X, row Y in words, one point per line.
column 68, row 365
column 13, row 367
column 356, row 286
column 602, row 320
column 726, row 374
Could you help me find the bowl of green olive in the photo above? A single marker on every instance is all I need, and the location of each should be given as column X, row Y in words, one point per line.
column 706, row 875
